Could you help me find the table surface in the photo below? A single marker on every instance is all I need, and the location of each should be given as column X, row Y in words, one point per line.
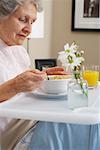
column 28, row 106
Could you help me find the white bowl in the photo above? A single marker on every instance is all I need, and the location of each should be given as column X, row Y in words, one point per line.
column 55, row 86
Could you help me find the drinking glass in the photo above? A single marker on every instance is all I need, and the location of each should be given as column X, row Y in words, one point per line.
column 91, row 74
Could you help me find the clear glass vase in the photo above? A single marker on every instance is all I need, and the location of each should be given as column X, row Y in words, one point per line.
column 77, row 94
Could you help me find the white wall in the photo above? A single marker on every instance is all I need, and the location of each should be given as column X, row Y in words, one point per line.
column 58, row 32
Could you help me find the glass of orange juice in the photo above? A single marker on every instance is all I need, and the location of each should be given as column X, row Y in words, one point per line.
column 91, row 74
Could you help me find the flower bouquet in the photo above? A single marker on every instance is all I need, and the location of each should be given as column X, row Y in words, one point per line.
column 72, row 58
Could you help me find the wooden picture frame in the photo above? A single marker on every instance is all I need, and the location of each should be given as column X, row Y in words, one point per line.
column 42, row 64
column 85, row 15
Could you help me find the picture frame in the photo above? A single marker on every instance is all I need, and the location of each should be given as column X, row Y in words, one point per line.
column 43, row 64
column 85, row 15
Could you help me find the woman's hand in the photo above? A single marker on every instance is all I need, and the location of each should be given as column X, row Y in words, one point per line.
column 24, row 82
column 28, row 81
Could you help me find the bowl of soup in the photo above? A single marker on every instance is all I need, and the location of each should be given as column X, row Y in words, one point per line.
column 56, row 84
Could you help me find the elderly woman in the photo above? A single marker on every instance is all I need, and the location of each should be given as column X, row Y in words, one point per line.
column 16, row 18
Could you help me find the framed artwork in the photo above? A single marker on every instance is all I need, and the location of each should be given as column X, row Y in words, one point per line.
column 85, row 15
column 42, row 64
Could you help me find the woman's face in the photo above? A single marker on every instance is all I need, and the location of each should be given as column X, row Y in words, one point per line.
column 15, row 28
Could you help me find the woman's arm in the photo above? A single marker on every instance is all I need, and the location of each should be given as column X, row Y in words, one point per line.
column 25, row 82
column 7, row 90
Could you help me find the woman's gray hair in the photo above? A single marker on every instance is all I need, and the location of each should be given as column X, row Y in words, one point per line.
column 9, row 6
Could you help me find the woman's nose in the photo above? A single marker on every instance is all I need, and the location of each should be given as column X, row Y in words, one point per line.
column 28, row 28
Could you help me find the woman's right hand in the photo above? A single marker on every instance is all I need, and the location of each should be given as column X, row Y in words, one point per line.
column 28, row 81
column 24, row 82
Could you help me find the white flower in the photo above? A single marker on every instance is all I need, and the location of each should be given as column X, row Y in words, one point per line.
column 76, row 62
column 71, row 56
column 70, row 49
column 81, row 59
column 62, row 58
column 66, row 46
column 82, row 52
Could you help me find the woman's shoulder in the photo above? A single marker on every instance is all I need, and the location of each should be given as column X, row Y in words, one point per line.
column 20, row 48
column 19, row 51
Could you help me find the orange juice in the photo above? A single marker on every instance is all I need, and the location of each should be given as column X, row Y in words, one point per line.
column 92, row 77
